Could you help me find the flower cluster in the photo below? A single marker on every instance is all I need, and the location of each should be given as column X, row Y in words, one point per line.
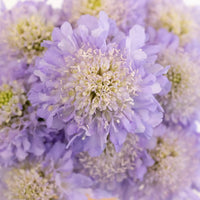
column 99, row 100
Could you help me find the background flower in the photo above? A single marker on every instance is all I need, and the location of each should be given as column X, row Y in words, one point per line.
column 181, row 103
column 175, row 17
column 125, row 13
column 23, row 29
column 175, row 152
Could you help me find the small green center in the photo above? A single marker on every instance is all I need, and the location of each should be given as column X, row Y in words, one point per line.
column 5, row 97
column 163, row 151
column 174, row 76
column 94, row 4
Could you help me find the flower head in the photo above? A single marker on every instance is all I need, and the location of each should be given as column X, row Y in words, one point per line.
column 125, row 13
column 30, row 184
column 27, row 34
column 95, row 87
column 41, row 178
column 21, row 132
column 12, row 101
column 113, row 167
column 174, row 16
column 176, row 159
column 48, row 177
column 98, row 82
column 182, row 101
column 24, row 28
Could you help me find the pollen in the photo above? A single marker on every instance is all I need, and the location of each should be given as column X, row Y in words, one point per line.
column 94, row 4
column 174, row 76
column 5, row 95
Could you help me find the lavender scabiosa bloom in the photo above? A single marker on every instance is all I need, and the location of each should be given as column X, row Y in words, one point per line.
column 48, row 178
column 182, row 102
column 30, row 184
column 93, row 84
column 20, row 131
column 12, row 99
column 176, row 168
column 111, row 168
column 125, row 13
column 174, row 16
column 24, row 28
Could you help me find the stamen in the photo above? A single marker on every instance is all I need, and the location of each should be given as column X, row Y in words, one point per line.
column 98, row 82
column 5, row 95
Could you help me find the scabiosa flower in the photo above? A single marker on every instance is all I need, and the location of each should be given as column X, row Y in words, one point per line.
column 111, row 168
column 125, row 13
column 48, row 177
column 174, row 16
column 24, row 28
column 176, row 167
column 20, row 131
column 30, row 184
column 12, row 99
column 92, row 86
column 183, row 100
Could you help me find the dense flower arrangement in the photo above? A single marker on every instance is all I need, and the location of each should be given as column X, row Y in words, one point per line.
column 100, row 100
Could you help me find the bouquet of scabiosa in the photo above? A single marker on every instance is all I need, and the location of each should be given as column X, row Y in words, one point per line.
column 100, row 100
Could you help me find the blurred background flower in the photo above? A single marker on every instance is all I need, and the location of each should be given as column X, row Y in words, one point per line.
column 58, row 3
